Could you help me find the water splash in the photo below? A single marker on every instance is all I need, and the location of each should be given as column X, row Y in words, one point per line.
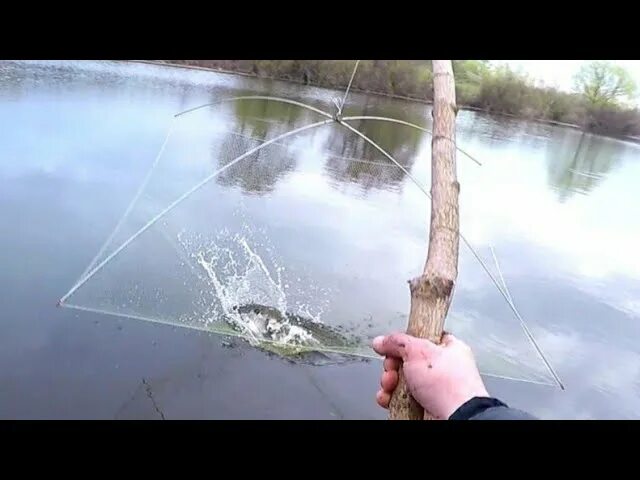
column 250, row 291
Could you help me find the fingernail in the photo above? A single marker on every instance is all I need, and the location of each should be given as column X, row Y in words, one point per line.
column 377, row 342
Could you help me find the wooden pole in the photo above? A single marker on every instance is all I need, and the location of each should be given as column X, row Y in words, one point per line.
column 431, row 292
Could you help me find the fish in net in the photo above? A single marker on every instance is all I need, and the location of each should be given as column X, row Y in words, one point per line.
column 211, row 240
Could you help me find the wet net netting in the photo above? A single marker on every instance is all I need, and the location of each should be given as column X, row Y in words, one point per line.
column 285, row 224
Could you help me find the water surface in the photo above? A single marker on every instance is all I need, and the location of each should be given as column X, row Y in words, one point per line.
column 78, row 138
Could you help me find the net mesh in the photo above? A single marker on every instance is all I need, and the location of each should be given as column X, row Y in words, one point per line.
column 303, row 245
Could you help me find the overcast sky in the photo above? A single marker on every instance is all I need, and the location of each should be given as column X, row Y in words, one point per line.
column 559, row 73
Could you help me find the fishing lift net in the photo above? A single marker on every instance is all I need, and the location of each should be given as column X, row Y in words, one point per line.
column 270, row 220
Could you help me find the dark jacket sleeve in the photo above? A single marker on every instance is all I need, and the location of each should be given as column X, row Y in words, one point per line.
column 485, row 408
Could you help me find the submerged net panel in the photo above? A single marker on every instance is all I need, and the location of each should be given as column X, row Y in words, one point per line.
column 303, row 245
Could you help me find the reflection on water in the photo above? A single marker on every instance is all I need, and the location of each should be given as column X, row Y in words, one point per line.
column 78, row 138
column 348, row 159
column 578, row 163
column 351, row 159
column 260, row 120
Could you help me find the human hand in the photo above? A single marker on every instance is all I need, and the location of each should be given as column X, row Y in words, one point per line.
column 441, row 378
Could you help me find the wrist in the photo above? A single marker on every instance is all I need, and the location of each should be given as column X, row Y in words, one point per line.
column 474, row 406
column 459, row 400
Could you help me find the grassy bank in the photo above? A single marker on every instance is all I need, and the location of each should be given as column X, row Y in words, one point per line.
column 478, row 86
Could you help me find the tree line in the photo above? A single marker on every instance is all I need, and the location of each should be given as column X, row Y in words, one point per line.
column 598, row 102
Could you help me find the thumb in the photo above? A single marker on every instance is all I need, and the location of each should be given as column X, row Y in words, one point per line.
column 394, row 345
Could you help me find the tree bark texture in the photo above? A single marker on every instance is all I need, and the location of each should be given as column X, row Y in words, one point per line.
column 431, row 292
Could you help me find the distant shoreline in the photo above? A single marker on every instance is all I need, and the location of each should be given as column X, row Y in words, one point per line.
column 369, row 92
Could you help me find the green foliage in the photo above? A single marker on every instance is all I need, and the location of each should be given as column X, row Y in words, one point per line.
column 503, row 91
column 470, row 75
column 597, row 105
column 604, row 84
